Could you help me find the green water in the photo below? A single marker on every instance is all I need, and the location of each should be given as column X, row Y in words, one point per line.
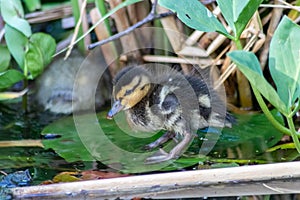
column 16, row 125
column 244, row 143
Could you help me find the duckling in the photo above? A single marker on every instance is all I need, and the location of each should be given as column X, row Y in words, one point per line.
column 56, row 91
column 160, row 98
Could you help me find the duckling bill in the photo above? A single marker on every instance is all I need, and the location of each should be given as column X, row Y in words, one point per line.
column 159, row 98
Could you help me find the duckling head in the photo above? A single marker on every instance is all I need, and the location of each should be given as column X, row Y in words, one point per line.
column 131, row 85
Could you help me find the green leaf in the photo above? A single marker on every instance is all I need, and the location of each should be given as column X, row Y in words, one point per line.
column 16, row 43
column 195, row 15
column 238, row 13
column 253, row 133
column 45, row 44
column 10, row 77
column 15, row 4
column 33, row 5
column 284, row 61
column 33, row 61
column 4, row 58
column 249, row 65
column 68, row 145
column 40, row 51
column 83, row 139
column 13, row 14
column 117, row 146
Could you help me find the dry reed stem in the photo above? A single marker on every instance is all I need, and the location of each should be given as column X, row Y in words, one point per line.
column 252, row 31
column 169, row 23
column 22, row 143
column 192, row 51
column 109, row 50
column 181, row 46
column 258, row 31
column 266, row 19
column 132, row 14
column 215, row 44
column 275, row 19
column 85, row 23
column 207, row 39
column 82, row 17
column 245, row 95
column 203, row 62
column 170, row 59
column 193, row 38
column 177, row 41
column 287, row 6
column 229, row 70
column 42, row 17
column 51, row 14
column 255, row 41
column 128, row 42
column 137, row 12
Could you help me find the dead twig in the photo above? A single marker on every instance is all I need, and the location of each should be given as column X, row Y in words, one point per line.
column 109, row 50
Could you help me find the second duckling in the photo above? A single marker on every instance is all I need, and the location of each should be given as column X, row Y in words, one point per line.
column 73, row 84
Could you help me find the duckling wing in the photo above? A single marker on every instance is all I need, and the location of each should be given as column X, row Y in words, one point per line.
column 170, row 103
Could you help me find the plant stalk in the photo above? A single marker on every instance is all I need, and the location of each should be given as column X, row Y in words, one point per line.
column 243, row 83
column 293, row 133
column 77, row 14
column 296, row 109
column 239, row 161
column 100, row 4
column 268, row 114
column 238, row 44
column 24, row 97
column 25, row 82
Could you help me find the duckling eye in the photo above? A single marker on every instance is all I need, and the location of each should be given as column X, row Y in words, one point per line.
column 128, row 92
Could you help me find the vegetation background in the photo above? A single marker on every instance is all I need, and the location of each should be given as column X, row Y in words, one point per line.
column 253, row 44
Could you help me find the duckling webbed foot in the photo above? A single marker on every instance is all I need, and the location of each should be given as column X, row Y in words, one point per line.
column 163, row 139
column 162, row 156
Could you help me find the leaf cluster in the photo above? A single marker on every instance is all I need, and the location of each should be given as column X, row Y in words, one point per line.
column 31, row 51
